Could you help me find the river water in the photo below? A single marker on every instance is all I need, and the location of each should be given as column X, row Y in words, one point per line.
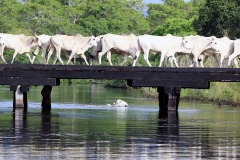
column 81, row 126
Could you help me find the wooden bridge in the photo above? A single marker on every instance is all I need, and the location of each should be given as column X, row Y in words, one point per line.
column 168, row 81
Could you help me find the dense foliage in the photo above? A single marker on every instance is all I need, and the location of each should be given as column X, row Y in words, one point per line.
column 219, row 18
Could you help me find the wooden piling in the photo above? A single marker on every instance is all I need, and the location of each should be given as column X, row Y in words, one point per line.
column 168, row 98
column 20, row 96
column 46, row 101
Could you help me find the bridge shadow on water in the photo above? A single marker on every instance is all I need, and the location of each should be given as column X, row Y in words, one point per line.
column 168, row 135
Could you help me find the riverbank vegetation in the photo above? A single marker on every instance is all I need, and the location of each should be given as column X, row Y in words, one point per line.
column 176, row 17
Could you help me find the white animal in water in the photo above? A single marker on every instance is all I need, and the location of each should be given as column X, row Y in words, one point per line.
column 118, row 103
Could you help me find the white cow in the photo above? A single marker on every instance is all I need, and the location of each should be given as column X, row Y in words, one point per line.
column 123, row 43
column 197, row 45
column 76, row 44
column 224, row 46
column 98, row 48
column 167, row 45
column 19, row 43
column 2, row 42
column 235, row 55
column 44, row 44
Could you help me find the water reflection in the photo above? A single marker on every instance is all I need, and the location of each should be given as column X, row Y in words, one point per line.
column 20, row 128
column 87, row 129
column 168, row 126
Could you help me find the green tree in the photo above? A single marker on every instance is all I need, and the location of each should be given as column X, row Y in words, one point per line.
column 172, row 17
column 219, row 18
column 175, row 26
column 113, row 16
column 9, row 19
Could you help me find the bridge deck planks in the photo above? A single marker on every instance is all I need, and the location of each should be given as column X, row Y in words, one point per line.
column 38, row 74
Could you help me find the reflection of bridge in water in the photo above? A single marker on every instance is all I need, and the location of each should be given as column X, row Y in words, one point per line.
column 167, row 140
column 168, row 81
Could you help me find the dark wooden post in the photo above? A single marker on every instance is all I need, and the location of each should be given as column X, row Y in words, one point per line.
column 168, row 98
column 46, row 101
column 20, row 96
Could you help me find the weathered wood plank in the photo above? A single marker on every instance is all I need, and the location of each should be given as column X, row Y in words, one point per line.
column 28, row 81
column 166, row 83
column 28, row 73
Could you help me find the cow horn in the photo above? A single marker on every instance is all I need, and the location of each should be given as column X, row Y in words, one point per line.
column 35, row 34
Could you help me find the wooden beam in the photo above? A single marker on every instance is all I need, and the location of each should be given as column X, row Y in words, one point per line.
column 28, row 81
column 169, row 83
column 46, row 94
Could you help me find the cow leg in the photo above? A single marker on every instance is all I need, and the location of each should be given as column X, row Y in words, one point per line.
column 180, row 55
column 31, row 61
column 109, row 57
column 14, row 55
column 175, row 61
column 55, row 60
column 236, row 61
column 195, row 61
column 44, row 48
column 3, row 59
column 146, row 54
column 221, row 61
column 230, row 58
column 100, row 54
column 70, row 57
column 163, row 53
column 58, row 55
column 59, row 58
column 35, row 54
column 1, row 54
column 119, row 59
column 85, row 58
column 203, row 60
column 125, row 59
column 137, row 54
column 169, row 59
column 50, row 54
column 216, row 59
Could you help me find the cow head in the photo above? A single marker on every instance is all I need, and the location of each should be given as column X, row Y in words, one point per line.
column 186, row 43
column 93, row 41
column 35, row 41
column 214, row 44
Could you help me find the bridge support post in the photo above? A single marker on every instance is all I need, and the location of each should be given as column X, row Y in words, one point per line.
column 46, row 101
column 168, row 98
column 20, row 96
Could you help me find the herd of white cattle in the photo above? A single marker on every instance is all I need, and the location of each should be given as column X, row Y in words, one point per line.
column 196, row 47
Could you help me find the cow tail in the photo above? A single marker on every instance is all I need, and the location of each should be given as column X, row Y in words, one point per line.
column 50, row 44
